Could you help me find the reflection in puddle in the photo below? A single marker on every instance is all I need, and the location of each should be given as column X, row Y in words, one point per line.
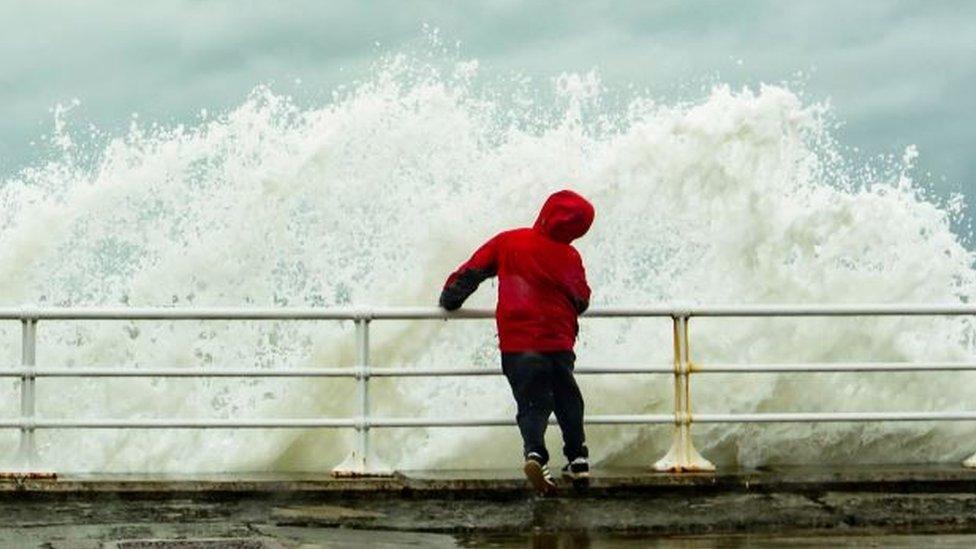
column 579, row 540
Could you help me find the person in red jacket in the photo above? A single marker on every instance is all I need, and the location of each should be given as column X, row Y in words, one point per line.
column 542, row 289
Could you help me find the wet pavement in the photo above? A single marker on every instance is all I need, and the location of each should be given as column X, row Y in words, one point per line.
column 503, row 483
column 865, row 506
column 337, row 538
column 569, row 541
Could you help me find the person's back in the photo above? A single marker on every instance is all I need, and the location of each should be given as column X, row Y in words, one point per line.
column 542, row 289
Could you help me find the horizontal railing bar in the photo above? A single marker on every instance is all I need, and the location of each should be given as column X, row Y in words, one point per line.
column 493, row 422
column 832, row 417
column 449, row 372
column 319, row 372
column 179, row 423
column 866, row 309
column 835, row 367
column 432, row 313
column 770, row 417
column 309, row 423
column 282, row 313
column 178, row 372
column 438, row 372
column 237, row 313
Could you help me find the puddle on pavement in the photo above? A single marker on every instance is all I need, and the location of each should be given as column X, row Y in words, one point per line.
column 584, row 540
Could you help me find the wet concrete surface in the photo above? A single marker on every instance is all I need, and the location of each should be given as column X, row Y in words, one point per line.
column 505, row 483
column 482, row 508
column 570, row 541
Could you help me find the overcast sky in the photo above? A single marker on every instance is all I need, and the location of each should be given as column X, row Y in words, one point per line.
column 897, row 73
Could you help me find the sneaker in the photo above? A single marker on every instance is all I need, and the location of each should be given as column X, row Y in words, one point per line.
column 538, row 474
column 578, row 471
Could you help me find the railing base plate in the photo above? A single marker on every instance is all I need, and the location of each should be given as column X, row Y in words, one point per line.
column 28, row 475
column 355, row 466
column 683, row 456
column 336, row 473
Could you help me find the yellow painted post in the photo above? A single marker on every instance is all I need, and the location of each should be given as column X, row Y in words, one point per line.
column 682, row 456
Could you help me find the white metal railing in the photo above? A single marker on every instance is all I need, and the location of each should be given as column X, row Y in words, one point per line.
column 682, row 455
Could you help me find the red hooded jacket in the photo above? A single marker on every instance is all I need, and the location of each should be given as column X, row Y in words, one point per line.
column 542, row 285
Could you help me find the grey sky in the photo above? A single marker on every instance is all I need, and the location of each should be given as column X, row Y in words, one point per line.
column 896, row 72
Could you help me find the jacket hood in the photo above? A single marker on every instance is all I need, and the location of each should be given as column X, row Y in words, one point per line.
column 565, row 217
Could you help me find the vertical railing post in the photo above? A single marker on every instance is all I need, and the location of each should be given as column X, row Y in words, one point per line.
column 28, row 354
column 360, row 462
column 362, row 389
column 682, row 456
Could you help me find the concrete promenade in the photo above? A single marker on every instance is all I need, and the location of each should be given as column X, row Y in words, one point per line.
column 503, row 484
column 97, row 509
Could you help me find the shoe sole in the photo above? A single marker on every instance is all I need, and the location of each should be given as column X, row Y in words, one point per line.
column 579, row 480
column 533, row 472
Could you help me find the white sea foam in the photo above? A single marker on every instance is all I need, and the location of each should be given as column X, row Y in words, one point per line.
column 741, row 197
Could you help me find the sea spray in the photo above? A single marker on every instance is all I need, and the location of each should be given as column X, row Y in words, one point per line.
column 373, row 197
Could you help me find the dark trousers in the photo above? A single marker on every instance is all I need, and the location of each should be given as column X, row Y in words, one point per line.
column 543, row 383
